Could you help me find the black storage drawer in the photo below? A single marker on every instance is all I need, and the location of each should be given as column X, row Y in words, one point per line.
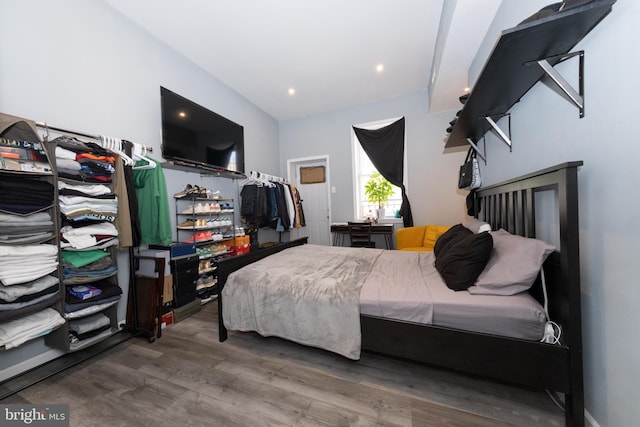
column 186, row 279
column 184, row 289
column 180, row 265
column 183, row 299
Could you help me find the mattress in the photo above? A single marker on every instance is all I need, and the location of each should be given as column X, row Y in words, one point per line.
column 406, row 286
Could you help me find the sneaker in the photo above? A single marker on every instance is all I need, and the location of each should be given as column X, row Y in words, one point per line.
column 189, row 210
column 204, row 252
column 188, row 190
column 200, row 237
column 213, row 194
column 199, row 208
column 187, row 224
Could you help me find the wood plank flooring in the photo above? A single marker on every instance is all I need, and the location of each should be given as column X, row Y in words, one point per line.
column 188, row 378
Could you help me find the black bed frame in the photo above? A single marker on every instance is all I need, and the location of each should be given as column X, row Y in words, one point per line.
column 558, row 368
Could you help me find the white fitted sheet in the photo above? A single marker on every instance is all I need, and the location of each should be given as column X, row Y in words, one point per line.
column 406, row 286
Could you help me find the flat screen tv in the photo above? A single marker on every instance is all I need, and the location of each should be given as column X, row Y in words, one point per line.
column 197, row 136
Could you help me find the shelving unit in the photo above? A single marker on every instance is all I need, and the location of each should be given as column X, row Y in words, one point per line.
column 522, row 56
column 51, row 344
column 197, row 216
column 111, row 312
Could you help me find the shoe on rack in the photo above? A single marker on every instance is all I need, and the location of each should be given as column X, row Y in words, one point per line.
column 200, row 237
column 188, row 190
column 204, row 252
column 215, row 195
column 200, row 208
column 187, row 224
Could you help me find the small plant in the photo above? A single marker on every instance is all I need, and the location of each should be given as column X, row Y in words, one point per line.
column 378, row 190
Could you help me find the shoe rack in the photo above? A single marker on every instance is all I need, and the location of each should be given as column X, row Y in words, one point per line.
column 206, row 219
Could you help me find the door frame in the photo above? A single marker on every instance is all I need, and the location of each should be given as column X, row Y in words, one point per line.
column 292, row 164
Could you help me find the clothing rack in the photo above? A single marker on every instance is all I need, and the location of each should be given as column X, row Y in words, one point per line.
column 48, row 127
column 261, row 175
column 104, row 141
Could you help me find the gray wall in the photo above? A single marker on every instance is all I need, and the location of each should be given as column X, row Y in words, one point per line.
column 546, row 131
column 83, row 66
column 80, row 65
column 432, row 177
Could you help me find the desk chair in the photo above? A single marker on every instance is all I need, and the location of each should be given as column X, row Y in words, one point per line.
column 360, row 235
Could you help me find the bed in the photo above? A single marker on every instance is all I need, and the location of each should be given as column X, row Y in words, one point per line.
column 511, row 206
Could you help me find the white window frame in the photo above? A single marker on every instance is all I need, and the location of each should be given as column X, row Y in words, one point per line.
column 356, row 149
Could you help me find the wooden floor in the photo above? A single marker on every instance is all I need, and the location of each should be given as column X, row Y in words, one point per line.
column 188, row 378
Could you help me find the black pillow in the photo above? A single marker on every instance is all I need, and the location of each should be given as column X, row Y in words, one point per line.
column 462, row 258
column 454, row 233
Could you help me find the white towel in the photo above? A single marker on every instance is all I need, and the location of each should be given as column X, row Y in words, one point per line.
column 21, row 330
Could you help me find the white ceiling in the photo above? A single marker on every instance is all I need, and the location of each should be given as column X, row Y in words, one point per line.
column 327, row 50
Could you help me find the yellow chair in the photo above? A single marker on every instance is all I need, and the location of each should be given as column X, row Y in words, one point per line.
column 419, row 238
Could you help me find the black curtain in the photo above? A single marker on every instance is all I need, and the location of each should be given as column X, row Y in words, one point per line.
column 385, row 148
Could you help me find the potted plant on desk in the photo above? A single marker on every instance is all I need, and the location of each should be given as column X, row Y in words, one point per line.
column 378, row 190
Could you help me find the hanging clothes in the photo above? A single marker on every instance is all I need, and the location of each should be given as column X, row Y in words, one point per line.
column 253, row 204
column 267, row 201
column 298, row 204
column 123, row 221
column 153, row 205
column 136, row 232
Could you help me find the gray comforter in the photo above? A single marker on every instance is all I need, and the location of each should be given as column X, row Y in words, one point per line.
column 321, row 310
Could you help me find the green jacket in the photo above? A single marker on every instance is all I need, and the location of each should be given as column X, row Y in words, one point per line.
column 153, row 205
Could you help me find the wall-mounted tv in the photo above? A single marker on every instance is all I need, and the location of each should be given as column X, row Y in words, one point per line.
column 197, row 136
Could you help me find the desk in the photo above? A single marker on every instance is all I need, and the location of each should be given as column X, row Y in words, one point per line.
column 341, row 229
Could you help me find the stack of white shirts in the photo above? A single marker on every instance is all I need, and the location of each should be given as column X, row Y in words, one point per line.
column 72, row 206
column 95, row 236
column 19, row 331
column 23, row 263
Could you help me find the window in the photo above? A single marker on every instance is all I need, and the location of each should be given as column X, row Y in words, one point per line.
column 363, row 169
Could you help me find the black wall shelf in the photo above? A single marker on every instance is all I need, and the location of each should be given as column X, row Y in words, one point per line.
column 202, row 170
column 512, row 68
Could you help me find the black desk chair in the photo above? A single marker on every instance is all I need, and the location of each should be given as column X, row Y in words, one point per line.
column 360, row 235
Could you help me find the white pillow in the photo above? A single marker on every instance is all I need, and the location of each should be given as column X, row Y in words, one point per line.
column 476, row 226
column 514, row 264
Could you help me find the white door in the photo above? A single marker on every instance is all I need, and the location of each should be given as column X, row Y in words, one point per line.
column 315, row 201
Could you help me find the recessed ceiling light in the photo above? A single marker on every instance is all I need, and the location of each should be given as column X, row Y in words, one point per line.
column 182, row 114
column 380, row 68
column 292, row 91
column 467, row 90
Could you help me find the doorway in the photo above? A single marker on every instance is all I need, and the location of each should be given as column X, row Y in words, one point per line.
column 316, row 200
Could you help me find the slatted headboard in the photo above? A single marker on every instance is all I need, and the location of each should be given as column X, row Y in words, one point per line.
column 511, row 205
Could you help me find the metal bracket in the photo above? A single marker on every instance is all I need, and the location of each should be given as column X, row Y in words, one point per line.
column 475, row 147
column 499, row 132
column 576, row 97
